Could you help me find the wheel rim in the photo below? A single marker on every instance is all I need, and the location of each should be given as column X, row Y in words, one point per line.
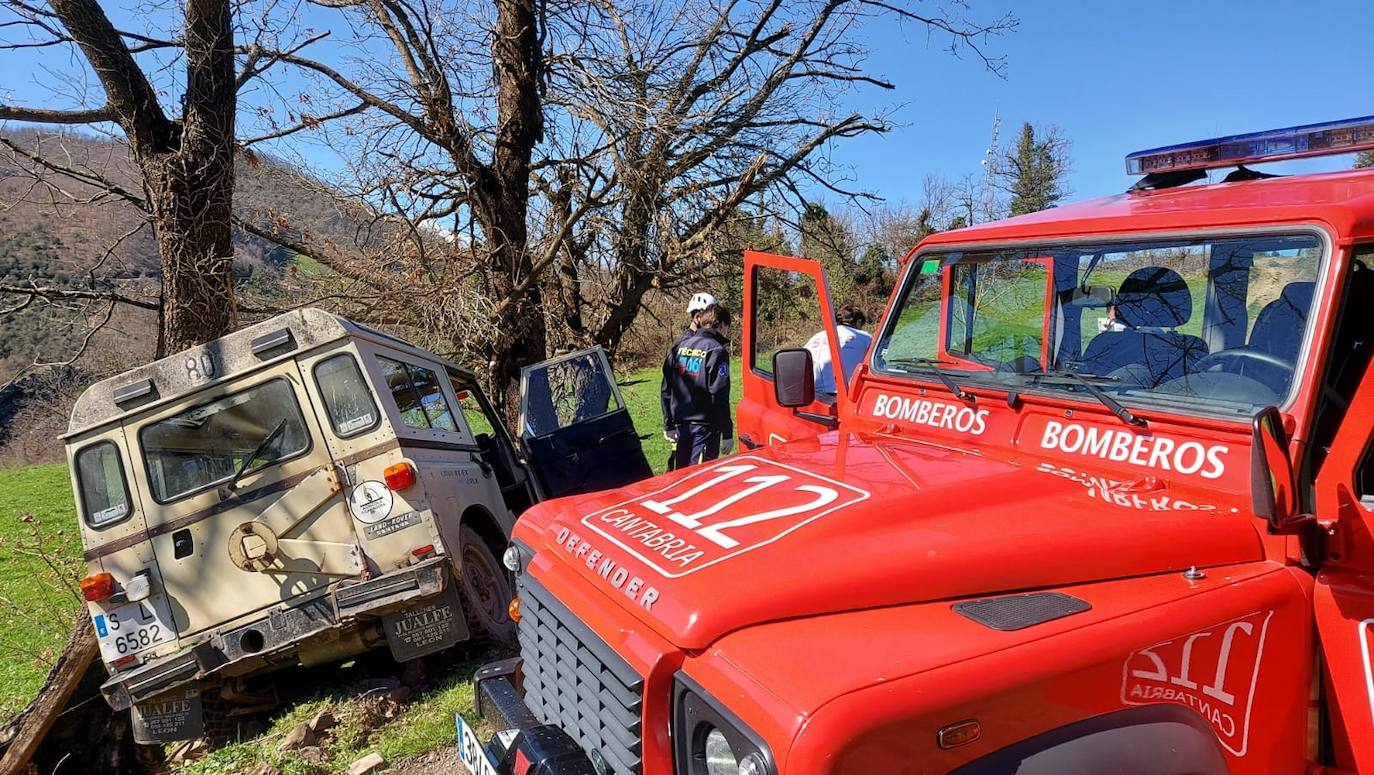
column 484, row 585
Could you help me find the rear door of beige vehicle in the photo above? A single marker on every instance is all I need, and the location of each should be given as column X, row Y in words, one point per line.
column 282, row 532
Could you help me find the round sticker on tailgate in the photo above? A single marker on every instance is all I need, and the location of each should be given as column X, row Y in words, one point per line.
column 370, row 501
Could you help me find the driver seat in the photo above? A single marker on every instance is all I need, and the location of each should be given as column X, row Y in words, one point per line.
column 1280, row 325
column 1151, row 303
column 1278, row 331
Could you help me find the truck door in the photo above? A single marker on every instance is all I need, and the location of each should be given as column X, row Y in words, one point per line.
column 786, row 305
column 281, row 531
column 1343, row 597
column 577, row 434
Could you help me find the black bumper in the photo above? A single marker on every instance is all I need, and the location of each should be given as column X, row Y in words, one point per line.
column 548, row 749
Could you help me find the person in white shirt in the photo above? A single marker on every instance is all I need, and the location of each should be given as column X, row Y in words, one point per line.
column 854, row 341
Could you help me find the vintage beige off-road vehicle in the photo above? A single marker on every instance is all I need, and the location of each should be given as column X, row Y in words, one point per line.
column 306, row 489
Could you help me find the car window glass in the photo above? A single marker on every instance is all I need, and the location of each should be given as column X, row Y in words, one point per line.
column 787, row 314
column 419, row 395
column 403, row 393
column 432, row 400
column 474, row 414
column 566, row 392
column 206, row 445
column 347, row 398
column 1211, row 325
column 104, row 493
column 998, row 313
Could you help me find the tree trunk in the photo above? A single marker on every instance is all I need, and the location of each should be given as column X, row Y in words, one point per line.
column 191, row 187
column 521, row 340
column 191, row 210
column 633, row 278
column 564, row 287
column 504, row 192
column 39, row 716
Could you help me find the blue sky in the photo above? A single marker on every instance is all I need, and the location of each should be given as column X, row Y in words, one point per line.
column 1116, row 77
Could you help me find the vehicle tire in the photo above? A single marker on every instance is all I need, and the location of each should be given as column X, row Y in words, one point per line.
column 484, row 587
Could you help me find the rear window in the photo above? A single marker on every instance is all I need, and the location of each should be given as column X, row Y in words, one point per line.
column 201, row 447
column 419, row 396
column 100, row 477
column 347, row 398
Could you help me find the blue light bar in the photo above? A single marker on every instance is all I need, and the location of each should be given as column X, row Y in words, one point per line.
column 1328, row 139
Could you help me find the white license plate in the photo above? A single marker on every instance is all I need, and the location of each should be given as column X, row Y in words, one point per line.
column 470, row 749
column 132, row 628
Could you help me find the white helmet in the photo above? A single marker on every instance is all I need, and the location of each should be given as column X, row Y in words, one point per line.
column 700, row 302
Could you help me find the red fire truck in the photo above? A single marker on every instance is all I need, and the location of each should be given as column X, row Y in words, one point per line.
column 1099, row 498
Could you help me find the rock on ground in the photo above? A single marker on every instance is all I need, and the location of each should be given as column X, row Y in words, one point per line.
column 370, row 763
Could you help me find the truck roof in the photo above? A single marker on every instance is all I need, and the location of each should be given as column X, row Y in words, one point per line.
column 231, row 356
column 1344, row 201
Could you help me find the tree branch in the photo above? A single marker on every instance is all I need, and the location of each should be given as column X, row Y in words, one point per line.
column 44, row 116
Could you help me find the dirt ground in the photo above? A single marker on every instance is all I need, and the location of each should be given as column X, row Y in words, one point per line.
column 445, row 761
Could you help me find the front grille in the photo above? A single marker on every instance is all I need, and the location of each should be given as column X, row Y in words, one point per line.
column 574, row 681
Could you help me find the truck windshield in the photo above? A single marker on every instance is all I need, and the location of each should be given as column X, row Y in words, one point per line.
column 1204, row 325
column 206, row 445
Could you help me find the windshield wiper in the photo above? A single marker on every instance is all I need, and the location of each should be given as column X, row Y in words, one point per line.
column 1124, row 414
column 953, row 386
column 262, row 446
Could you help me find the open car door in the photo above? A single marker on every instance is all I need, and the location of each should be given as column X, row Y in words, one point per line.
column 577, row 434
column 786, row 305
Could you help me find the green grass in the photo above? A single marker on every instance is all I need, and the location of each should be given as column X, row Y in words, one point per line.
column 421, row 726
column 40, row 563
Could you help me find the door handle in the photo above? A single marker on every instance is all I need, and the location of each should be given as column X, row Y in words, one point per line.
column 183, row 545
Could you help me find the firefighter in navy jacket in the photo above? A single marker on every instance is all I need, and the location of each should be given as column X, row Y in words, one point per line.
column 700, row 390
column 698, row 302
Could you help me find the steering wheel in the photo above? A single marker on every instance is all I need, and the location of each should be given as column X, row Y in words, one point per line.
column 1239, row 356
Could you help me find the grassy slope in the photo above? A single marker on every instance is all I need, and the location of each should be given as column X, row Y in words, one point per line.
column 35, row 628
column 40, row 553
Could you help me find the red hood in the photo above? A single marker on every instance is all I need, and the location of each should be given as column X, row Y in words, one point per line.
column 853, row 521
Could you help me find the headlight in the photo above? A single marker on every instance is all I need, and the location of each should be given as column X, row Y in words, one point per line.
column 721, row 759
column 511, row 558
column 709, row 739
column 517, row 557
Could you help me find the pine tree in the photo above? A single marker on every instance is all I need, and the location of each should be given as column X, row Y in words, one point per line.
column 1033, row 170
column 1364, row 159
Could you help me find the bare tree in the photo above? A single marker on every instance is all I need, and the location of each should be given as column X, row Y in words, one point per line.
column 182, row 177
column 187, row 162
column 446, row 141
column 540, row 167
column 703, row 104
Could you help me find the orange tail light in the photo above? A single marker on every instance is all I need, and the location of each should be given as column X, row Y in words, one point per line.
column 399, row 476
column 98, row 587
column 514, row 609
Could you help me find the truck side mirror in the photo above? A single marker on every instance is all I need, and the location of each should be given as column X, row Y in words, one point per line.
column 1273, row 485
column 794, row 382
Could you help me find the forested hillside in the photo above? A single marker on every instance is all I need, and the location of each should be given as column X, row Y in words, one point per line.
column 103, row 244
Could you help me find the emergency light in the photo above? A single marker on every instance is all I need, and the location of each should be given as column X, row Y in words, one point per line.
column 1298, row 142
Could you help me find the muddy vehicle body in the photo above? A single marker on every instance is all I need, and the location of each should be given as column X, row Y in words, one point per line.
column 301, row 491
column 1100, row 498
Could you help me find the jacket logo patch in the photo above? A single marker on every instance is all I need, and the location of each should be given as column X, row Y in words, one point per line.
column 720, row 511
column 1213, row 671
